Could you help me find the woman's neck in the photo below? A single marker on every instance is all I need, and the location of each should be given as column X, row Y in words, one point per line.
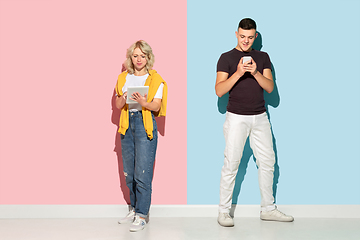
column 142, row 72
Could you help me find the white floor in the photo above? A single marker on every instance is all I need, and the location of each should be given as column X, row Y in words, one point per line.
column 194, row 228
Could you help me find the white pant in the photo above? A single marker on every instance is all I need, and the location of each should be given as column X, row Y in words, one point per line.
column 237, row 128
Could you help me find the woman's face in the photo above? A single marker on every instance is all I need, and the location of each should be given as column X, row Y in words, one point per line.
column 138, row 59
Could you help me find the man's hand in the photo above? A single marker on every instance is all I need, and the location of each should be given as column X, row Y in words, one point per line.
column 241, row 67
column 250, row 66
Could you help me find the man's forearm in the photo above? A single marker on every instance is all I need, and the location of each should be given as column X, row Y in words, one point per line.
column 266, row 83
column 223, row 87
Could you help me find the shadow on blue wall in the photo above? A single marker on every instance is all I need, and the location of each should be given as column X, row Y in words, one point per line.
column 272, row 99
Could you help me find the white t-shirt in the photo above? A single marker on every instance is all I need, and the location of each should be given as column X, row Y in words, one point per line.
column 135, row 81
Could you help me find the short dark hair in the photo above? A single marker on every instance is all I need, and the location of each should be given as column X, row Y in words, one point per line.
column 247, row 24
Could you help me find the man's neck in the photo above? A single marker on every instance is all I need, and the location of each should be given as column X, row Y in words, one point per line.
column 238, row 48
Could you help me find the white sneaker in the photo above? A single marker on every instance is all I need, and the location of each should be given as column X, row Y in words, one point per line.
column 138, row 224
column 225, row 220
column 129, row 217
column 275, row 215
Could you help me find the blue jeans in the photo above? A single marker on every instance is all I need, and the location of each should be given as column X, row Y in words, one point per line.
column 138, row 154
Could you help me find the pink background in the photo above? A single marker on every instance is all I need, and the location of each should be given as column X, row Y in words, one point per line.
column 59, row 62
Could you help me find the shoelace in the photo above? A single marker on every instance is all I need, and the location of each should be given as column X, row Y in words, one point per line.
column 138, row 221
column 280, row 212
column 226, row 215
column 130, row 213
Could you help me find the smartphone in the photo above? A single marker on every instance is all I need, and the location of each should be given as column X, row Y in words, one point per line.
column 246, row 59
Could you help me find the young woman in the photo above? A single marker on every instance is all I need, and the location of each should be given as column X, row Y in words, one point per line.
column 138, row 128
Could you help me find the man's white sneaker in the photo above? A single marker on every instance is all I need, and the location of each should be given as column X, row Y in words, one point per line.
column 129, row 217
column 275, row 215
column 138, row 224
column 225, row 220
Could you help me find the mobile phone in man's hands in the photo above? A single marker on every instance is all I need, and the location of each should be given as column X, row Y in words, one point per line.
column 246, row 59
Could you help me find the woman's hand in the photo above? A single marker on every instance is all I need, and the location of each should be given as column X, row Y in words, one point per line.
column 121, row 100
column 124, row 96
column 154, row 105
column 139, row 99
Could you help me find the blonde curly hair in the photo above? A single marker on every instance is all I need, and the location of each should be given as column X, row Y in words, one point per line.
column 146, row 49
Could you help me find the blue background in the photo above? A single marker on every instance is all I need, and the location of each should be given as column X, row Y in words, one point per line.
column 314, row 109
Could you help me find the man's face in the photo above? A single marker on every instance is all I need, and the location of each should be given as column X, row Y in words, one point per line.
column 246, row 39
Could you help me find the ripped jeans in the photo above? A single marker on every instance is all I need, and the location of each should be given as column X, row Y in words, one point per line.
column 138, row 154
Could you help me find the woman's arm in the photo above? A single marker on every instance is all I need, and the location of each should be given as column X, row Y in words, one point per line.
column 154, row 105
column 120, row 101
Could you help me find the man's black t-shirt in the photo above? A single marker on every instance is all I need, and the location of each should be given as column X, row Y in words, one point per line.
column 246, row 97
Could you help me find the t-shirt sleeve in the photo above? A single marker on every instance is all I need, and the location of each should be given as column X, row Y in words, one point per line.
column 267, row 63
column 159, row 92
column 223, row 65
column 124, row 89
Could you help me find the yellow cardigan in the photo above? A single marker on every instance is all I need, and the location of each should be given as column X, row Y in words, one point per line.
column 153, row 81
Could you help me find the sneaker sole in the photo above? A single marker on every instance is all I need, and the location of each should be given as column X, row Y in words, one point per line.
column 125, row 222
column 276, row 220
column 136, row 230
column 226, row 225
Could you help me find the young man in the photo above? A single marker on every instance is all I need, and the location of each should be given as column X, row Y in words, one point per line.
column 246, row 79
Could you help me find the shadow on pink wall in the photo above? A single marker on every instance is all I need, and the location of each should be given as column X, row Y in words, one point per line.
column 115, row 118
